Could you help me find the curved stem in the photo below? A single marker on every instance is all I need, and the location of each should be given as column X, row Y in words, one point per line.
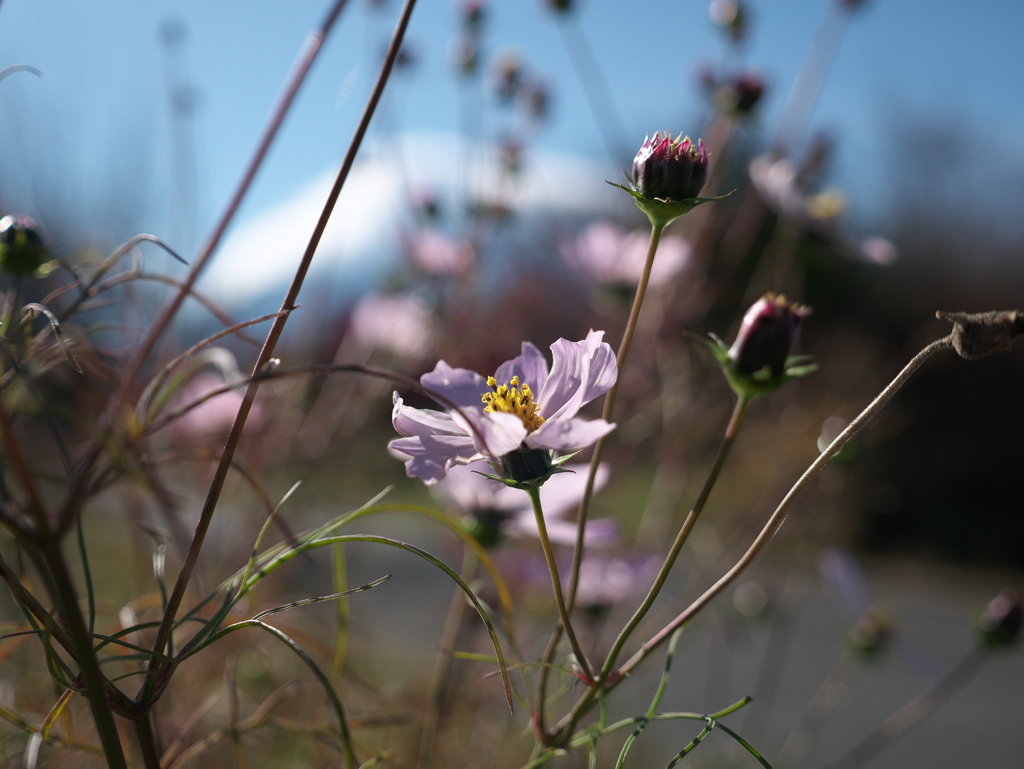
column 773, row 523
column 556, row 585
column 588, row 699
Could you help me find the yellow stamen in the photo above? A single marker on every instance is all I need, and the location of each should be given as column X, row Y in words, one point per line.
column 513, row 398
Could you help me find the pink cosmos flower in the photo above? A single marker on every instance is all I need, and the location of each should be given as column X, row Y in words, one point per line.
column 608, row 254
column 521, row 414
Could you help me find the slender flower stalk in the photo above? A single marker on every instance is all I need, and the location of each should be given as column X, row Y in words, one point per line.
column 595, row 461
column 731, row 431
column 667, row 175
column 773, row 523
column 556, row 585
column 609, row 407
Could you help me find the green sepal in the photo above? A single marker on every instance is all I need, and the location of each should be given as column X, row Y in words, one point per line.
column 664, row 211
column 760, row 382
column 553, row 466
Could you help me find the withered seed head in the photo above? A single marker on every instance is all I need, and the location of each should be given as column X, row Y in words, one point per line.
column 976, row 335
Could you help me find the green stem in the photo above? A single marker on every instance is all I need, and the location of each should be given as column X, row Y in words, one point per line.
column 595, row 461
column 52, row 564
column 556, row 585
column 731, row 431
column 95, row 683
column 609, row 408
column 148, row 743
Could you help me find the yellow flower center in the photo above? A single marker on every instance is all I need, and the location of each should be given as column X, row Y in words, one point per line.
column 513, row 398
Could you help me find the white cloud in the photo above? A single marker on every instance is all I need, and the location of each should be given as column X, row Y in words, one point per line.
column 363, row 236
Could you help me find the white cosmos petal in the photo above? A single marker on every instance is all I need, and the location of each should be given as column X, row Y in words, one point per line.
column 568, row 434
column 493, row 434
column 580, row 372
column 409, row 421
column 530, row 366
column 432, row 455
column 458, row 386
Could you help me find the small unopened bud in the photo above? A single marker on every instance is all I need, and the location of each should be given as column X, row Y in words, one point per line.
column 759, row 361
column 976, row 335
column 667, row 177
column 871, row 632
column 1001, row 621
column 767, row 335
column 21, row 248
column 670, row 169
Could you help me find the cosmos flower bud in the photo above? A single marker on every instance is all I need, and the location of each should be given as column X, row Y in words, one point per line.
column 769, row 331
column 1001, row 621
column 21, row 248
column 667, row 176
column 670, row 169
column 759, row 361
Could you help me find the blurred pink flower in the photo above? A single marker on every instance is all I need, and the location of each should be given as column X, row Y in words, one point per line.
column 212, row 418
column 435, row 253
column 606, row 580
column 496, row 506
column 608, row 254
column 401, row 324
column 776, row 182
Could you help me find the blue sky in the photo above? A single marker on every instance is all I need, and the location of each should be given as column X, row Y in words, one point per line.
column 97, row 127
